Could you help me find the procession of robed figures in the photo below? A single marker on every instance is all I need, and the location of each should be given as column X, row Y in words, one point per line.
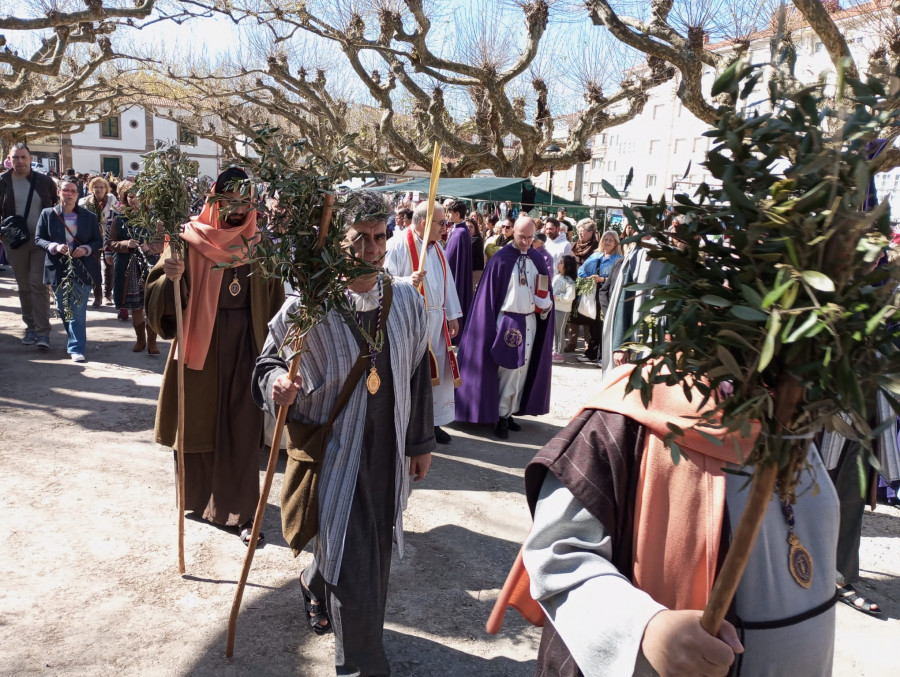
column 363, row 388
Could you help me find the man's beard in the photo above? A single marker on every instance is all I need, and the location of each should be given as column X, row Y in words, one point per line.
column 233, row 220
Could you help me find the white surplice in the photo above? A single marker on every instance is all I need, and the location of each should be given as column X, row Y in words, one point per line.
column 441, row 297
column 520, row 298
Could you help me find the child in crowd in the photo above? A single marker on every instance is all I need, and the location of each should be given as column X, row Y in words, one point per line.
column 563, row 296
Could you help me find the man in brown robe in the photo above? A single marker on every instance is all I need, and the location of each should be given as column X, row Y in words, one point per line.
column 222, row 428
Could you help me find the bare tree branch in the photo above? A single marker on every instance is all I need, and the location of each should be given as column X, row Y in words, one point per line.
column 66, row 82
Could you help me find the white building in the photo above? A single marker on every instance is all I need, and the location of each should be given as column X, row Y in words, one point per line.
column 117, row 143
column 664, row 145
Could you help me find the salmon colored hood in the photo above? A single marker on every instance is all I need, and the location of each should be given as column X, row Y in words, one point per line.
column 210, row 244
column 679, row 508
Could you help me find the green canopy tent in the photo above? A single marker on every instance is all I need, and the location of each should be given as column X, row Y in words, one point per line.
column 492, row 189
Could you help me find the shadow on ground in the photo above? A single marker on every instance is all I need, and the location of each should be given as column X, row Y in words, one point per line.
column 272, row 638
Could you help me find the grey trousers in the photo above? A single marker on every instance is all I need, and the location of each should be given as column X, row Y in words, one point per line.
column 853, row 503
column 34, row 296
column 561, row 320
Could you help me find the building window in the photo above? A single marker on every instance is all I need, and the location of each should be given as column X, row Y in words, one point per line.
column 680, row 146
column 819, row 47
column 133, row 124
column 134, row 166
column 700, row 144
column 597, row 163
column 658, row 111
column 186, row 137
column 595, row 188
column 611, row 166
column 109, row 128
column 651, row 180
column 654, row 146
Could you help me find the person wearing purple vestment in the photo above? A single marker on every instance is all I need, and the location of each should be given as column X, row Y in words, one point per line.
column 504, row 354
column 459, row 259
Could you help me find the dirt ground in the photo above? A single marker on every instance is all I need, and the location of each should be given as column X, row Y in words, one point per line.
column 89, row 578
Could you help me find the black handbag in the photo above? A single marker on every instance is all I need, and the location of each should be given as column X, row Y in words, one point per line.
column 15, row 228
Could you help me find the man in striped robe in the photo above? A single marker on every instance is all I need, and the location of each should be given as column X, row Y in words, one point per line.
column 378, row 441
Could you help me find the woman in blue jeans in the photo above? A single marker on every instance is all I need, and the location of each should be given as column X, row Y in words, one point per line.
column 70, row 234
column 597, row 267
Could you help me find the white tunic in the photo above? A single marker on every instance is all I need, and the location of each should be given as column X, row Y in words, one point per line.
column 558, row 248
column 519, row 299
column 441, row 297
column 398, row 238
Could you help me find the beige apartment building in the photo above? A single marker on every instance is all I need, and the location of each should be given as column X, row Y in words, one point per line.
column 664, row 146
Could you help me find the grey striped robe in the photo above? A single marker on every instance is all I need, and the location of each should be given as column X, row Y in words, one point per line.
column 329, row 351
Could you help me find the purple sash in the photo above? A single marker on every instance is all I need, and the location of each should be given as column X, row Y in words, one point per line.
column 508, row 350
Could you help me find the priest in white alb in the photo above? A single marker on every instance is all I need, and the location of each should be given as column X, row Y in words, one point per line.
column 437, row 287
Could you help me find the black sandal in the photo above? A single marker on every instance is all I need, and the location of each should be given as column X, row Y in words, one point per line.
column 849, row 596
column 315, row 612
column 246, row 531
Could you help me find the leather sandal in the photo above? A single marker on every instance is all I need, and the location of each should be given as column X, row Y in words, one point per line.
column 315, row 612
column 246, row 532
column 849, row 596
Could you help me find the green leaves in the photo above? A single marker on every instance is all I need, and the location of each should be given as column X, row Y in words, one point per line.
column 714, row 300
column 298, row 183
column 771, row 277
column 610, row 189
column 818, row 280
column 749, row 314
column 773, row 326
column 164, row 194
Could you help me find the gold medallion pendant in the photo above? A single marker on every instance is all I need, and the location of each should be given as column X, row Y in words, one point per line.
column 235, row 287
column 373, row 382
column 800, row 562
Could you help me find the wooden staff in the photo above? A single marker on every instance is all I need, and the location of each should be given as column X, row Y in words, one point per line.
column 296, row 347
column 432, row 195
column 327, row 209
column 787, row 397
column 179, row 438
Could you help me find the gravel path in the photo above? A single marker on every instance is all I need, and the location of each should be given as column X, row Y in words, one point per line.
column 90, row 585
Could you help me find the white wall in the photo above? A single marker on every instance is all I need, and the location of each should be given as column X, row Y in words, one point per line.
column 659, row 143
column 88, row 146
column 88, row 160
column 131, row 130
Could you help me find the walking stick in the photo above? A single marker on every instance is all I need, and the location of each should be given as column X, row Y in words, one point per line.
column 296, row 347
column 787, row 396
column 179, row 438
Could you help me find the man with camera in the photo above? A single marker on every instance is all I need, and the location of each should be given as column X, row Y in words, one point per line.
column 24, row 193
